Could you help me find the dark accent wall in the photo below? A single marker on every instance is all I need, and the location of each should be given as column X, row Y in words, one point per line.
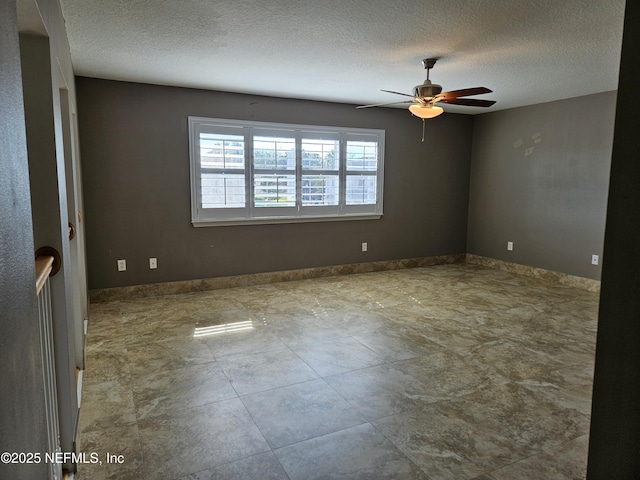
column 22, row 412
column 614, row 446
column 539, row 178
column 135, row 162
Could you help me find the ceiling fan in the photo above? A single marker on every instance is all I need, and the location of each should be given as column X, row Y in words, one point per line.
column 428, row 94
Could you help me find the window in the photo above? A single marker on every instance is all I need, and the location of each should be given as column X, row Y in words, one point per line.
column 257, row 172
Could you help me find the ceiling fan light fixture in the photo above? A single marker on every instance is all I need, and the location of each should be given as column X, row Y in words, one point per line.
column 425, row 111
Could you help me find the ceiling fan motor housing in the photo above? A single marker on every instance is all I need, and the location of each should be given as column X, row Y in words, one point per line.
column 427, row 90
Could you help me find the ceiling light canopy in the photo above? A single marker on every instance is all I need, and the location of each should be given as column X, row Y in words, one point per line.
column 425, row 111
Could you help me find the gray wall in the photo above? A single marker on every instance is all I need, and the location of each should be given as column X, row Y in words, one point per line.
column 22, row 414
column 135, row 162
column 539, row 178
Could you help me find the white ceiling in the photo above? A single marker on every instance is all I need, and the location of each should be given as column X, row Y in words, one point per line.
column 526, row 51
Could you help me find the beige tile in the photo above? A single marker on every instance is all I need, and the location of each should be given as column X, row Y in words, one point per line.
column 167, row 391
column 337, row 355
column 122, row 441
column 191, row 440
column 107, row 405
column 262, row 371
column 466, row 371
column 263, row 466
column 291, row 414
column 381, row 391
column 242, row 337
column 358, row 452
column 564, row 462
column 522, row 415
column 446, row 445
column 149, row 357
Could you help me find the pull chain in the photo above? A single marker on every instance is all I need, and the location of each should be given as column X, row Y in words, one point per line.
column 423, row 130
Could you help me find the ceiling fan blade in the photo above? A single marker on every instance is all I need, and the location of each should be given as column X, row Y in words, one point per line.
column 469, row 102
column 384, row 104
column 465, row 92
column 397, row 93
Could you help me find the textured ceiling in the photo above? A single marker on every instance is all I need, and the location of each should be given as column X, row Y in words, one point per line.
column 526, row 51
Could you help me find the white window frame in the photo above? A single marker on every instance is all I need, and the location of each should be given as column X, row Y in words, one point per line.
column 252, row 214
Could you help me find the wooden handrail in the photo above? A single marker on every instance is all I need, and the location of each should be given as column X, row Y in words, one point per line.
column 48, row 262
column 44, row 266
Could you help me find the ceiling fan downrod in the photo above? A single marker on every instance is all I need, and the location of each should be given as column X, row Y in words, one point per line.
column 427, row 89
column 428, row 63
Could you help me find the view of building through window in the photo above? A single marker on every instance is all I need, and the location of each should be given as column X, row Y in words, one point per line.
column 252, row 171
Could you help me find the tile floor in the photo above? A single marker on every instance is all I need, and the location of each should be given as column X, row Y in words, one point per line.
column 445, row 372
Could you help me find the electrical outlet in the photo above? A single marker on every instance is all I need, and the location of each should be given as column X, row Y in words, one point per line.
column 153, row 263
column 510, row 246
column 364, row 246
column 122, row 265
column 595, row 259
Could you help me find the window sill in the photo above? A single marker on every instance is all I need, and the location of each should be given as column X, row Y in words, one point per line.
column 278, row 220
